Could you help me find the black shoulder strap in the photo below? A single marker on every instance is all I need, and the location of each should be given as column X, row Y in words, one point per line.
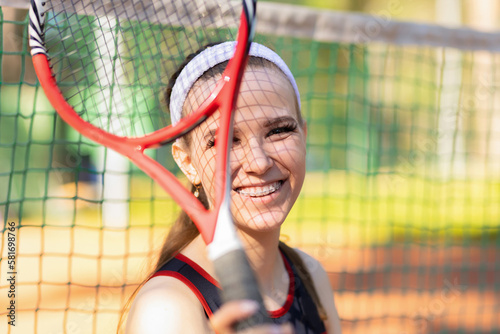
column 204, row 286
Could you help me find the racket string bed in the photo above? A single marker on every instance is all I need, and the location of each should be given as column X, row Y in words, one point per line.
column 131, row 48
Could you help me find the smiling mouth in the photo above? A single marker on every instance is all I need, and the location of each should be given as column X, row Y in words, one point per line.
column 261, row 190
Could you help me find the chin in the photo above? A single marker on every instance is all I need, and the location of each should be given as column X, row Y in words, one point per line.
column 267, row 222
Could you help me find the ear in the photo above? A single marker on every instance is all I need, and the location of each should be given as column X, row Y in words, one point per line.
column 183, row 160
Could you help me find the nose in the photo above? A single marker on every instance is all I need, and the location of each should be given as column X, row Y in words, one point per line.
column 255, row 159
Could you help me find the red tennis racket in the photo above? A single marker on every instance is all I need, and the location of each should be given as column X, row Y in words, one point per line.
column 103, row 65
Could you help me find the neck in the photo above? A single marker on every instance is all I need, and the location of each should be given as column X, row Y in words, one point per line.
column 264, row 257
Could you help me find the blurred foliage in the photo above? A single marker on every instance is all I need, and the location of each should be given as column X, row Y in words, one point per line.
column 422, row 10
column 413, row 10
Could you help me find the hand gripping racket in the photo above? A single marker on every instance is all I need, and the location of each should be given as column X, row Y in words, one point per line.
column 103, row 65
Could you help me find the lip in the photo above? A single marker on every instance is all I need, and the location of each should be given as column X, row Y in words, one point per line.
column 262, row 192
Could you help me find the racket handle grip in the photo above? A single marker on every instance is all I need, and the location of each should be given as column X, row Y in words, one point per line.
column 238, row 282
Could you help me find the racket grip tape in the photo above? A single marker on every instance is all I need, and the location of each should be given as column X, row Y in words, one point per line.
column 238, row 282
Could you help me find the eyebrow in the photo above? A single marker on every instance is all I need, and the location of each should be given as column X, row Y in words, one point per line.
column 210, row 134
column 279, row 120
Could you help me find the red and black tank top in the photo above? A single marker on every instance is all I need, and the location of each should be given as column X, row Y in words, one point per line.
column 299, row 308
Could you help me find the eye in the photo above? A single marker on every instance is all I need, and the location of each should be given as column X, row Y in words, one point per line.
column 282, row 129
column 236, row 141
column 210, row 143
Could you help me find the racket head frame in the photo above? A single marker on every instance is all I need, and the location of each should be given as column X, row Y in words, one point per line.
column 223, row 98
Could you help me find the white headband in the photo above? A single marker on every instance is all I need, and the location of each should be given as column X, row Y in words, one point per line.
column 211, row 57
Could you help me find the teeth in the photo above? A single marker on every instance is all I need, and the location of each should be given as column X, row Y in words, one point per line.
column 259, row 191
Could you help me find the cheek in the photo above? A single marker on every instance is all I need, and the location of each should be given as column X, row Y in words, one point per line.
column 292, row 155
column 205, row 165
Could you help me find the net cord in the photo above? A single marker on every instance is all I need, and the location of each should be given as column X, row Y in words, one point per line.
column 331, row 26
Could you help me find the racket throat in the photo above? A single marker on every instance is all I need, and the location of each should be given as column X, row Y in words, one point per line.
column 225, row 237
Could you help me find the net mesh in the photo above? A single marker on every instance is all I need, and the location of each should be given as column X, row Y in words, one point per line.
column 400, row 203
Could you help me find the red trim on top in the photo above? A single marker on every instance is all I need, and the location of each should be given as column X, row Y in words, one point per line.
column 199, row 269
column 273, row 314
column 289, row 298
column 189, row 284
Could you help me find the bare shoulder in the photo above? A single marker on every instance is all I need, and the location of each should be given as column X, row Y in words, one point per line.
column 166, row 305
column 322, row 284
column 313, row 266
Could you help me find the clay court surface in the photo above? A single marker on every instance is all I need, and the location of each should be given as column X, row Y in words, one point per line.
column 75, row 281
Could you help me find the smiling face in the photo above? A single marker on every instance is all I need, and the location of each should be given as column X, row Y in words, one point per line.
column 268, row 154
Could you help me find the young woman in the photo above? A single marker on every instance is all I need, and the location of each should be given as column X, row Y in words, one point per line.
column 268, row 170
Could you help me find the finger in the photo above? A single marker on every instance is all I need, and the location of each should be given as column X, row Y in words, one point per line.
column 270, row 329
column 287, row 329
column 230, row 313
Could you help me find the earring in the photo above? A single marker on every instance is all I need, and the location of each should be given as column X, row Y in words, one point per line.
column 197, row 190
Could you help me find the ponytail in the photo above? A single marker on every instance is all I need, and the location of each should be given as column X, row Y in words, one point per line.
column 304, row 276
